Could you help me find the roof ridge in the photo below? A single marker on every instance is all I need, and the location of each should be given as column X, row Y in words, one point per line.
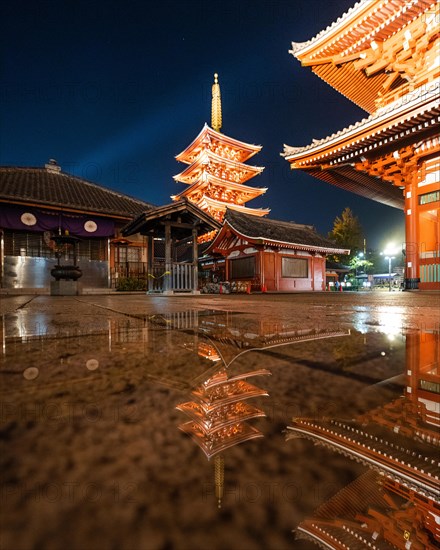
column 299, row 46
column 271, row 220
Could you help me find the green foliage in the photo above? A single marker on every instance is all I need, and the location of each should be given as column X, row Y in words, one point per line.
column 347, row 232
column 357, row 263
column 125, row 284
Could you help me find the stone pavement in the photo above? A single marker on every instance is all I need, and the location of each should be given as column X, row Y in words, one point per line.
column 91, row 456
column 410, row 309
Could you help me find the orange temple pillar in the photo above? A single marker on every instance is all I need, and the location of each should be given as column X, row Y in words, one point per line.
column 412, row 245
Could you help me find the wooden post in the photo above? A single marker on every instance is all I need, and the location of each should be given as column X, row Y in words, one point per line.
column 195, row 280
column 150, row 256
column 167, row 284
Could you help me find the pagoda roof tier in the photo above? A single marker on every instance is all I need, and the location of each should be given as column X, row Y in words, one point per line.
column 221, row 377
column 375, row 48
column 229, row 170
column 219, row 206
column 333, row 159
column 207, row 180
column 222, row 439
column 227, row 393
column 211, row 139
column 220, row 417
column 279, row 234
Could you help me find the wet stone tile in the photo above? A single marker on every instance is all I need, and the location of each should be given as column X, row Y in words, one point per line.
column 275, row 398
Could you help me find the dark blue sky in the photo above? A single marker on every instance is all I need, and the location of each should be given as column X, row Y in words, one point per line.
column 115, row 89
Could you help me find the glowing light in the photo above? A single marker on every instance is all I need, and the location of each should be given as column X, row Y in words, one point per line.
column 390, row 323
column 390, row 250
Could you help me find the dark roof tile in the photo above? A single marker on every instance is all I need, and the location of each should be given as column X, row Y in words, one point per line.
column 256, row 227
column 58, row 189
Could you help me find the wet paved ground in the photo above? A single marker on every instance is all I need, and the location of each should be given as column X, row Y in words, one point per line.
column 92, row 456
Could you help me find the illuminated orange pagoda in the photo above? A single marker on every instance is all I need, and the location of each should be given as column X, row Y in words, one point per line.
column 395, row 504
column 216, row 174
column 384, row 56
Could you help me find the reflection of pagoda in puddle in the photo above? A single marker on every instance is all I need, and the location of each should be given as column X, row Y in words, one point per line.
column 396, row 503
column 220, row 415
column 219, row 412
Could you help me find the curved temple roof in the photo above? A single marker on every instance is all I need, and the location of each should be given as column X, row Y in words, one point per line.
column 247, row 150
column 373, row 49
column 276, row 233
column 51, row 187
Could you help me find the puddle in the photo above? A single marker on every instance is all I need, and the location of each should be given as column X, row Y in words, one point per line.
column 213, row 429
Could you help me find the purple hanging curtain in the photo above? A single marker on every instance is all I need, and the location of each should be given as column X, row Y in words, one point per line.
column 36, row 219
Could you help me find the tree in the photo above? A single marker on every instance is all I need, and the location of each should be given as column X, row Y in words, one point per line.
column 347, row 232
column 358, row 263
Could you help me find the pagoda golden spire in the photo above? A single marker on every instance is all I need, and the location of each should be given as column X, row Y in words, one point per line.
column 219, row 467
column 216, row 106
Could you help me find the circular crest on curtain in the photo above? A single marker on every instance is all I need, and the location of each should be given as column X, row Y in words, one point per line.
column 28, row 219
column 90, row 226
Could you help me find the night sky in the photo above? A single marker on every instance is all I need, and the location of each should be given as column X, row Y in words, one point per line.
column 113, row 90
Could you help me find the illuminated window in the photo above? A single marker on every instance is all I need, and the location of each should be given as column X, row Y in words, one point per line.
column 429, row 197
column 427, row 385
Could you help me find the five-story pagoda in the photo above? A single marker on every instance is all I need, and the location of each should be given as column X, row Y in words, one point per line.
column 216, row 171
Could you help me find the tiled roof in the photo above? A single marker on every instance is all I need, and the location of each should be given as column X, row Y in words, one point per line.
column 299, row 46
column 256, row 227
column 51, row 187
column 183, row 211
column 369, row 20
column 382, row 116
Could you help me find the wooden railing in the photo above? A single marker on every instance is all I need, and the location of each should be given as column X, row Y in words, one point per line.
column 180, row 278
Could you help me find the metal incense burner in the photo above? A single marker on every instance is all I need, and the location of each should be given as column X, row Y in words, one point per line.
column 66, row 276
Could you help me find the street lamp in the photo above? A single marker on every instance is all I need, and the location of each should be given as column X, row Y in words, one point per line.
column 389, row 255
column 389, row 258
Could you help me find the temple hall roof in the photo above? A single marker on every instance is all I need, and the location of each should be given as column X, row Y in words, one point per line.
column 400, row 115
column 278, row 232
column 365, row 53
column 51, row 187
column 333, row 159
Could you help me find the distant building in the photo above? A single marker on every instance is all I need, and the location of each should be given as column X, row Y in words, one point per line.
column 383, row 56
column 38, row 203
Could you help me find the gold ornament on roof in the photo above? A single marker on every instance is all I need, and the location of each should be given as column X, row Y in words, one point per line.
column 216, row 106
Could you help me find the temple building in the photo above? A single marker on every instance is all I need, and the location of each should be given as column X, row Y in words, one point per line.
column 272, row 255
column 37, row 204
column 216, row 174
column 383, row 56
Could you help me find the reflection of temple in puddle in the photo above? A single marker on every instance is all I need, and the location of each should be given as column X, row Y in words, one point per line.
column 225, row 335
column 220, row 415
column 235, row 332
column 396, row 504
